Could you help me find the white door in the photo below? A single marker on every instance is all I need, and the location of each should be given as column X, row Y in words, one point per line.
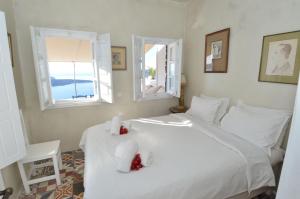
column 289, row 180
column 12, row 146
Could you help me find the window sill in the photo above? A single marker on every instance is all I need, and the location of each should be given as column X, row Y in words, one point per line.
column 61, row 105
column 154, row 97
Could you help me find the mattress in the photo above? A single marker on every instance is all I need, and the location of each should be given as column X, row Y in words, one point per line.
column 192, row 160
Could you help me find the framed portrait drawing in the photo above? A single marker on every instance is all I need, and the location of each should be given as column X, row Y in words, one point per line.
column 10, row 48
column 118, row 58
column 280, row 58
column 216, row 51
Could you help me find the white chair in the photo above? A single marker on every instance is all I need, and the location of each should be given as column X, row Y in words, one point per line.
column 37, row 152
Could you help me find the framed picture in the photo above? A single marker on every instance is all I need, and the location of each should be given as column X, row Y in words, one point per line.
column 216, row 51
column 10, row 48
column 118, row 58
column 280, row 58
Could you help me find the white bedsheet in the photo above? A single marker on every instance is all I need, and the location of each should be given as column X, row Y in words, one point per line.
column 192, row 160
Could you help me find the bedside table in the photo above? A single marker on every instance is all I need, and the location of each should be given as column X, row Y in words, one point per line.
column 175, row 109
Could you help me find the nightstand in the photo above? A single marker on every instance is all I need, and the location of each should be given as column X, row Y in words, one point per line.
column 175, row 109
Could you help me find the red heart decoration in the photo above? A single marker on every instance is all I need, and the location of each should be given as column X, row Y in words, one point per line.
column 136, row 163
column 123, row 130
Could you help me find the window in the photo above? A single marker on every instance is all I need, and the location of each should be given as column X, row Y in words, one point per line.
column 157, row 67
column 72, row 67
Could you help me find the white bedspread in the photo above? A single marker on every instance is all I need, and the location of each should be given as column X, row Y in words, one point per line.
column 192, row 160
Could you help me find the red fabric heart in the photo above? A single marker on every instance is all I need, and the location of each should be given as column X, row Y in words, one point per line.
column 123, row 130
column 136, row 163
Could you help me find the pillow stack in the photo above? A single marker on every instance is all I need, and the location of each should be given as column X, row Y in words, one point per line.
column 209, row 109
column 261, row 126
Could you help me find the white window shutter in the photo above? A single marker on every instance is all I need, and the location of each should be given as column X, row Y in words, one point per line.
column 103, row 59
column 174, row 60
column 12, row 145
column 96, row 78
column 137, row 45
column 41, row 67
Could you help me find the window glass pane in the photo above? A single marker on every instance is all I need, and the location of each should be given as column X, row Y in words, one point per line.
column 172, row 69
column 84, row 80
column 64, row 49
column 155, row 69
column 71, row 68
column 71, row 80
column 171, row 83
column 62, row 80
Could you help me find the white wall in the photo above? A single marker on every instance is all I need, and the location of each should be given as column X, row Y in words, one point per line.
column 121, row 18
column 289, row 180
column 249, row 21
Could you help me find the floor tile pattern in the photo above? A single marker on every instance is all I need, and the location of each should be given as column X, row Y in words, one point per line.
column 71, row 176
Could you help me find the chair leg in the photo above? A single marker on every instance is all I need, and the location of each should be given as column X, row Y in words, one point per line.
column 56, row 170
column 24, row 177
column 60, row 165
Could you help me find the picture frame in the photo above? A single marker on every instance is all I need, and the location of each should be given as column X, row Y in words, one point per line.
column 118, row 58
column 216, row 51
column 280, row 58
column 10, row 48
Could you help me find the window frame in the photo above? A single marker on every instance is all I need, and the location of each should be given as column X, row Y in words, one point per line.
column 175, row 47
column 38, row 36
column 138, row 94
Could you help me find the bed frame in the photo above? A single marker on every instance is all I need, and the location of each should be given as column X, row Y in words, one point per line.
column 246, row 195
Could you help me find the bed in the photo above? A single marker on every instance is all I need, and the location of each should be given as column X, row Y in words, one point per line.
column 192, row 160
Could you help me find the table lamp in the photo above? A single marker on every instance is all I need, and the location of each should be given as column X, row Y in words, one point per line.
column 181, row 106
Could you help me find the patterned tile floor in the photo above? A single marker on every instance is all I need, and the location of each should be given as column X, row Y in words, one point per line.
column 72, row 180
column 71, row 176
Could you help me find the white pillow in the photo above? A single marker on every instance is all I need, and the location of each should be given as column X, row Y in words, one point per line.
column 267, row 112
column 259, row 129
column 223, row 107
column 204, row 109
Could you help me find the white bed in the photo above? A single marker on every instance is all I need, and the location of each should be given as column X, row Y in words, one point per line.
column 192, row 160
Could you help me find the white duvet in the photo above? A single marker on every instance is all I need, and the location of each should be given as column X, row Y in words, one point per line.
column 192, row 160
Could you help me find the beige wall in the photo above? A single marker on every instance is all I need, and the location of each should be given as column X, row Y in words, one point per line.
column 11, row 173
column 121, row 19
column 249, row 21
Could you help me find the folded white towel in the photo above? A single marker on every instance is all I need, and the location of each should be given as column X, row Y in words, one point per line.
column 126, row 124
column 115, row 125
column 124, row 154
column 146, row 157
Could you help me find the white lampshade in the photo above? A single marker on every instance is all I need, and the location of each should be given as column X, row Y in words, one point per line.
column 183, row 79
